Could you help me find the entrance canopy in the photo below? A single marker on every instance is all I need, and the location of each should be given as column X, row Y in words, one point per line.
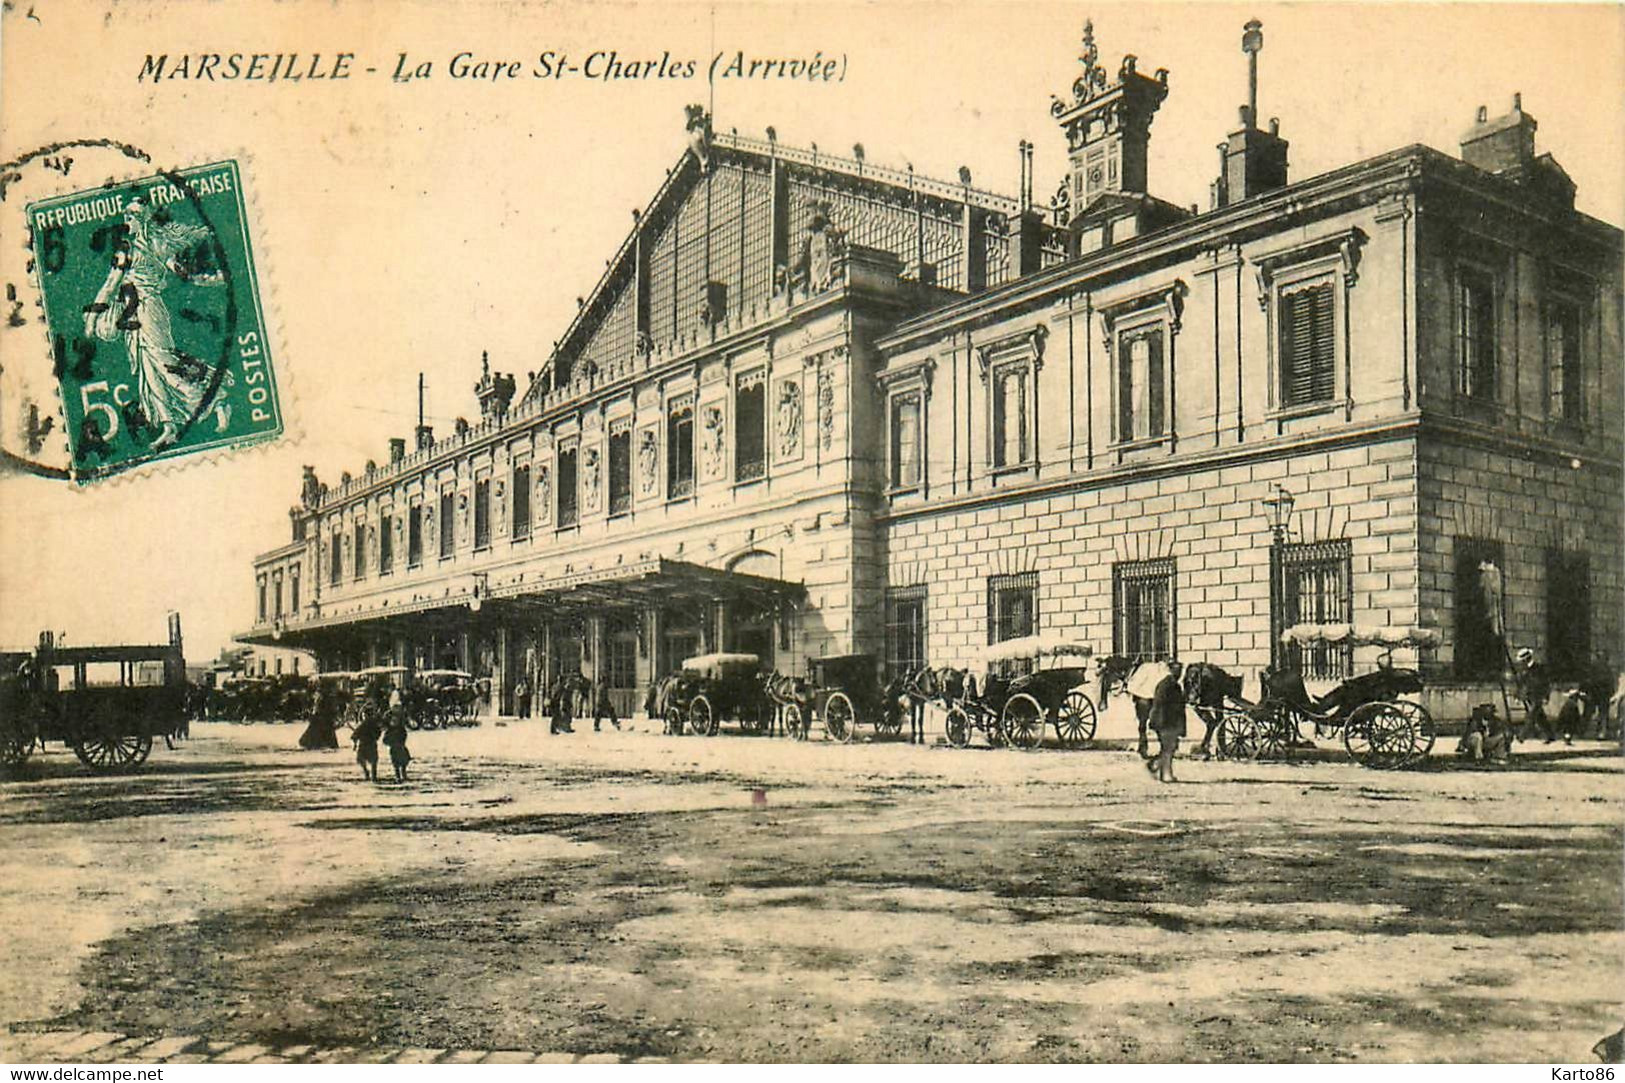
column 655, row 582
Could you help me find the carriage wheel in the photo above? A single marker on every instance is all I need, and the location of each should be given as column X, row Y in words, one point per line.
column 890, row 722
column 795, row 723
column 840, row 720
column 1237, row 736
column 1277, row 732
column 103, row 746
column 1023, row 721
column 958, row 727
column 674, row 720
column 1423, row 733
column 1379, row 736
column 702, row 717
column 16, row 742
column 1075, row 721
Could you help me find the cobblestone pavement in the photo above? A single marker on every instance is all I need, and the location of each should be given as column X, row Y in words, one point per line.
column 627, row 896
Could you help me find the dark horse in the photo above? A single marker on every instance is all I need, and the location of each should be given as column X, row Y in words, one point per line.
column 1207, row 687
column 908, row 693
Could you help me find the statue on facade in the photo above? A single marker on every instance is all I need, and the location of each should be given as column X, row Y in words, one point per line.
column 310, row 490
column 820, row 250
column 788, row 419
column 648, row 461
column 699, row 134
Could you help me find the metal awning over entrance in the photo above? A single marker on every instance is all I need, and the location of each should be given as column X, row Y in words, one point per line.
column 655, row 582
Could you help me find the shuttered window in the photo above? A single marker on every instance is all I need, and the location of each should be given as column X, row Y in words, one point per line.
column 568, row 513
column 448, row 524
column 1011, row 445
column 1308, row 340
column 905, row 441
column 482, row 513
column 386, row 544
column 521, row 502
column 620, row 471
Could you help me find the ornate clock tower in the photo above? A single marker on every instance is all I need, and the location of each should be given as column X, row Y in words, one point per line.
column 1107, row 126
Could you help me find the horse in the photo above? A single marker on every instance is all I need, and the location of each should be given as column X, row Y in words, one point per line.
column 1137, row 680
column 906, row 693
column 1207, row 687
column 1113, row 671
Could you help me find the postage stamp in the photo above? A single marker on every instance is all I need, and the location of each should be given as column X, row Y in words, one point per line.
column 157, row 334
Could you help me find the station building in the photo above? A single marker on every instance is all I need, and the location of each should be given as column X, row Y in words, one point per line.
column 819, row 407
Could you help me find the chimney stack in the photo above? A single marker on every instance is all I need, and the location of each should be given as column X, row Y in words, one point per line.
column 1252, row 161
column 424, row 435
column 1108, row 126
column 397, row 449
column 1505, row 146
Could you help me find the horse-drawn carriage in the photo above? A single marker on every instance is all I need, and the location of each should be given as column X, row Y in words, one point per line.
column 1025, row 683
column 713, row 688
column 1380, row 727
column 53, row 695
column 441, row 697
column 843, row 692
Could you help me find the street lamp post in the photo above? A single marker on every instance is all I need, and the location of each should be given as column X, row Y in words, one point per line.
column 1279, row 509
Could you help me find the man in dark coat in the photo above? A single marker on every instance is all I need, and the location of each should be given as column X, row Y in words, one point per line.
column 1534, row 687
column 1168, row 720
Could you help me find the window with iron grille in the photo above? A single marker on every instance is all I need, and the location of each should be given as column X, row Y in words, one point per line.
column 1564, row 375
column 1475, row 334
column 482, row 513
column 386, row 544
column 448, row 524
column 336, row 562
column 1568, row 614
column 680, row 450
column 1307, row 334
column 750, row 427
column 1315, row 588
column 905, row 630
column 1480, row 572
column 1012, row 606
column 521, row 502
column 905, row 441
column 414, row 536
column 1141, row 384
column 568, row 508
column 620, row 471
column 1143, row 609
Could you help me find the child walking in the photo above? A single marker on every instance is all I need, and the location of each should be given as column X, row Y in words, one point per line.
column 365, row 738
column 395, row 739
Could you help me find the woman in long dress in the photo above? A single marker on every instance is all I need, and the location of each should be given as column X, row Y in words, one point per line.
column 170, row 385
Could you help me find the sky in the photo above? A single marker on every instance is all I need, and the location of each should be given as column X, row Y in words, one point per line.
column 405, row 227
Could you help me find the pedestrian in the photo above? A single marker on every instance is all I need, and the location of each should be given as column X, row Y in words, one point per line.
column 562, row 707
column 521, row 693
column 1570, row 716
column 1168, row 720
column 395, row 741
column 1534, row 688
column 602, row 707
column 365, row 738
column 1487, row 737
column 321, row 731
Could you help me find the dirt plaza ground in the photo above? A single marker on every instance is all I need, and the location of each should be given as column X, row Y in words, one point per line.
column 631, row 895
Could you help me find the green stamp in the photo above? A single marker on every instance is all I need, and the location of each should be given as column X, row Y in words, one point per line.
column 152, row 303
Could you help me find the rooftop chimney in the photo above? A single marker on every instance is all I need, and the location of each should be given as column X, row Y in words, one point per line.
column 397, row 449
column 424, row 437
column 1505, row 146
column 1252, row 161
